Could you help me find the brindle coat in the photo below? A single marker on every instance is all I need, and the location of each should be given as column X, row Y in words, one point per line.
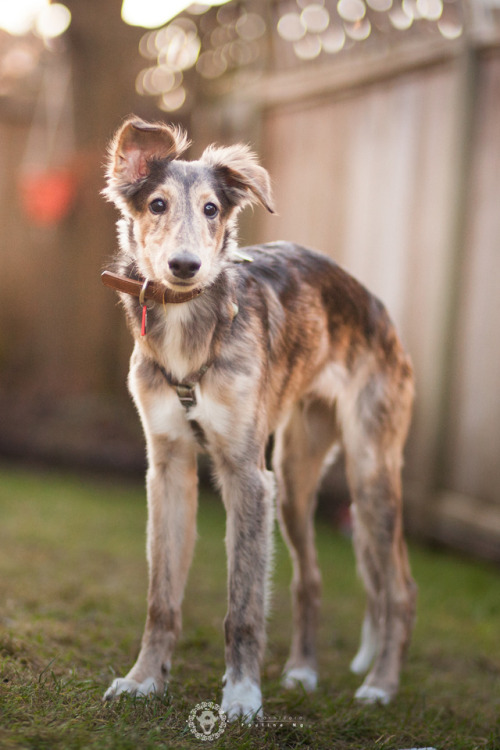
column 288, row 344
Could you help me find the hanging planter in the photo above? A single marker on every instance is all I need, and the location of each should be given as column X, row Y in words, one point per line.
column 47, row 183
column 47, row 196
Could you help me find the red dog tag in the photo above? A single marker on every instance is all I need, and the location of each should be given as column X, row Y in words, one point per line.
column 142, row 301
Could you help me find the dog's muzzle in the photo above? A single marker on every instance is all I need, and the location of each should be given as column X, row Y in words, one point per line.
column 184, row 265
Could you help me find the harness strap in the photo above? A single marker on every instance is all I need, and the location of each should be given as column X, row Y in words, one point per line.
column 187, row 397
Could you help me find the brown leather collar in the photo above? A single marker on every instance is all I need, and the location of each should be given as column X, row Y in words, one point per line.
column 153, row 290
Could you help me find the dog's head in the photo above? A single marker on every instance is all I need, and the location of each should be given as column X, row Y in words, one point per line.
column 180, row 214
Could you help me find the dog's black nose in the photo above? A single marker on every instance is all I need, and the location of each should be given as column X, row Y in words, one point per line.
column 184, row 265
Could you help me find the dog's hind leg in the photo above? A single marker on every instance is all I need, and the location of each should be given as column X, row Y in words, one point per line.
column 301, row 446
column 383, row 565
column 374, row 444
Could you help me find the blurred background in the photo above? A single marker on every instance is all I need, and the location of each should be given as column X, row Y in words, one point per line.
column 379, row 122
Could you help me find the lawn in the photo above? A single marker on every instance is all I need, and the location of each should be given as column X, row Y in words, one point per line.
column 72, row 605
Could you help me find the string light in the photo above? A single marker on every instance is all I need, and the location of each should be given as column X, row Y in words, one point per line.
column 153, row 13
column 315, row 18
column 213, row 44
column 432, row 10
column 351, row 10
column 290, row 27
column 46, row 20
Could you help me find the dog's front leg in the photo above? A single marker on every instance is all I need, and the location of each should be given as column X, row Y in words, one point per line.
column 172, row 503
column 248, row 498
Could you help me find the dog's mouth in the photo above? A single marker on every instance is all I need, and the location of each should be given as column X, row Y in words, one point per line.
column 180, row 284
column 167, row 280
column 177, row 285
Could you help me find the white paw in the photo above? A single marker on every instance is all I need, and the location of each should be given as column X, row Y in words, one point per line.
column 370, row 694
column 242, row 700
column 305, row 676
column 362, row 661
column 367, row 650
column 138, row 689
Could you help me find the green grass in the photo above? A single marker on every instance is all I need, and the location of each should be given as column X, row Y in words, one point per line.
column 72, row 606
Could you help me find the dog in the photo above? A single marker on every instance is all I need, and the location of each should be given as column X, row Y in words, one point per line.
column 233, row 346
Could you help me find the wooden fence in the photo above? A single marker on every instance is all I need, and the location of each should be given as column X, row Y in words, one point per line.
column 393, row 169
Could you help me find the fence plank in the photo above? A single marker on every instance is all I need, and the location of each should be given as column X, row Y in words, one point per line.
column 370, row 180
column 474, row 429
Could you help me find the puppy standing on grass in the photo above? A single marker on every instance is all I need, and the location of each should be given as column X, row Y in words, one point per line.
column 227, row 353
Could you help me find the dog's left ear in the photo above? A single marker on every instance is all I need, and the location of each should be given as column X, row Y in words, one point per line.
column 135, row 146
column 243, row 180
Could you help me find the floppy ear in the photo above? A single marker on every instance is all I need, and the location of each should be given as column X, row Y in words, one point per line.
column 243, row 180
column 135, row 147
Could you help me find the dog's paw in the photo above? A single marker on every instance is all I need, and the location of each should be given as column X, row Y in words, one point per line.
column 367, row 650
column 242, row 700
column 370, row 694
column 125, row 685
column 362, row 661
column 305, row 676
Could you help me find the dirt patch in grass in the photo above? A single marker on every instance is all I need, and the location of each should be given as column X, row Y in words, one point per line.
column 72, row 606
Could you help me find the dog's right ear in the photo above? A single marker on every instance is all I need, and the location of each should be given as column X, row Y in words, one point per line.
column 133, row 150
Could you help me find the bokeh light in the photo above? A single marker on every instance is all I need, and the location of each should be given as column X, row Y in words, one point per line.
column 351, row 10
column 209, row 43
column 22, row 16
column 52, row 21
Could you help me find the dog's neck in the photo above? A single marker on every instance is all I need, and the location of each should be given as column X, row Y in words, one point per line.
column 182, row 336
column 145, row 290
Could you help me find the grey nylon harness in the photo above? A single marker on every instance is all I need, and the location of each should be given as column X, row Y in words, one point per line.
column 187, row 397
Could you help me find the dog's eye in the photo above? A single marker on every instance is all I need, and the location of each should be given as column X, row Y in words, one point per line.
column 158, row 206
column 210, row 210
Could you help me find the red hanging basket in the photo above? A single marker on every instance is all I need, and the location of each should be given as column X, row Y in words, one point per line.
column 47, row 195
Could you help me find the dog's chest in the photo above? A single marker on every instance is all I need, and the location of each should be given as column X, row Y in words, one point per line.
column 215, row 418
column 166, row 416
column 171, row 346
